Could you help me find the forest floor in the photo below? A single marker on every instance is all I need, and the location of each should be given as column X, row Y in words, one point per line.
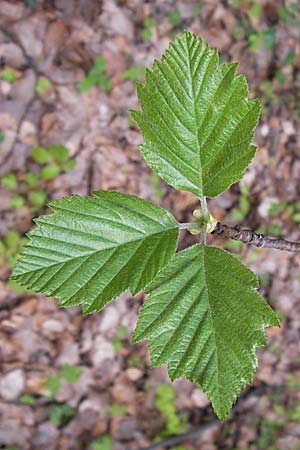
column 69, row 382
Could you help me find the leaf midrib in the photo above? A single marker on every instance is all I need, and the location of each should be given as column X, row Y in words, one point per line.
column 212, row 323
column 193, row 99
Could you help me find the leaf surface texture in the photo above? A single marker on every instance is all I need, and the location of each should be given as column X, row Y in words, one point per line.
column 205, row 318
column 92, row 249
column 196, row 119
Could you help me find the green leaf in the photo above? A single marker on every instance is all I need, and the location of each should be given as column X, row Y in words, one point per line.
column 205, row 319
column 104, row 443
column 134, row 73
column 9, row 75
column 40, row 155
column 147, row 34
column 59, row 152
column 53, row 385
column 27, row 399
column 12, row 240
column 96, row 76
column 174, row 17
column 61, row 414
column 100, row 63
column 69, row 165
column 269, row 38
column 48, row 173
column 92, row 249
column 280, row 77
column 256, row 11
column 196, row 119
column 149, row 22
column 289, row 59
column 2, row 137
column 70, row 373
column 38, row 198
column 104, row 82
column 9, row 181
column 17, row 202
column 43, row 85
column 87, row 83
column 31, row 179
column 117, row 410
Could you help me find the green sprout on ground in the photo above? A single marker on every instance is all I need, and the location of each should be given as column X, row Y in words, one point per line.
column 103, row 443
column 71, row 374
column 10, row 247
column 148, row 25
column 119, row 337
column 165, row 403
column 134, row 73
column 240, row 213
column 117, row 410
column 174, row 18
column 43, row 85
column 28, row 399
column 97, row 76
column 29, row 188
column 9, row 75
column 60, row 414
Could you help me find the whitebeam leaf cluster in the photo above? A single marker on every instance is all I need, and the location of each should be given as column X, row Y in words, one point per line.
column 203, row 316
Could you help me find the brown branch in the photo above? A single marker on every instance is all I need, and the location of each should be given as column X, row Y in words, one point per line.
column 259, row 240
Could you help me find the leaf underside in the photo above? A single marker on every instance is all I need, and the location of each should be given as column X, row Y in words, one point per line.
column 92, row 249
column 196, row 119
column 204, row 318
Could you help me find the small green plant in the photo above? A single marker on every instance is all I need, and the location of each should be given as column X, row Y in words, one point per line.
column 117, row 410
column 55, row 158
column 2, row 137
column 165, row 402
column 29, row 188
column 174, row 17
column 9, row 181
column 197, row 9
column 61, row 414
column 103, row 443
column 203, row 316
column 119, row 337
column 10, row 247
column 52, row 385
column 256, row 11
column 70, row 373
column 97, row 76
column 9, row 75
column 268, row 433
column 27, row 399
column 244, row 205
column 149, row 24
column 134, row 73
column 43, row 85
